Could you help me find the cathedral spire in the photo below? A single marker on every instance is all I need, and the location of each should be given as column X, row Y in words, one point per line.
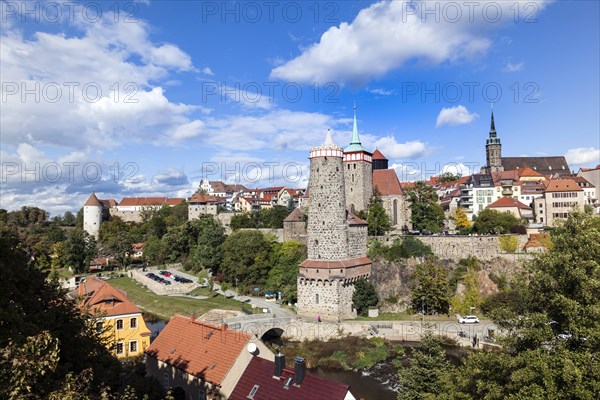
column 492, row 127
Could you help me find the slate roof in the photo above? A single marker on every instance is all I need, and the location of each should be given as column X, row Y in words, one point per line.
column 101, row 297
column 260, row 372
column 386, row 181
column 198, row 348
column 544, row 165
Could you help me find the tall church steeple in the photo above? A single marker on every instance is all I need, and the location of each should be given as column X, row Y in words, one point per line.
column 358, row 172
column 493, row 151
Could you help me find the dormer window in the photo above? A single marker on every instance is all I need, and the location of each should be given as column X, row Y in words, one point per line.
column 253, row 391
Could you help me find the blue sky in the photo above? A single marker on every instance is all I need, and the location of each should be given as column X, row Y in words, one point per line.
column 145, row 98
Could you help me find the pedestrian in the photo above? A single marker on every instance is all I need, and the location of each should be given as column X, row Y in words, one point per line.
column 474, row 340
column 318, row 318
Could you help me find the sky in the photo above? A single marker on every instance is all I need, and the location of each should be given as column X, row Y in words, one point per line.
column 146, row 98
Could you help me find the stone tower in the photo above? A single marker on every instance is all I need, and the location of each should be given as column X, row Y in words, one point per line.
column 92, row 216
column 358, row 172
column 336, row 241
column 493, row 151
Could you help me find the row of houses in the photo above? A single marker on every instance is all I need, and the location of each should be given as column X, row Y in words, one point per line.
column 198, row 360
column 528, row 194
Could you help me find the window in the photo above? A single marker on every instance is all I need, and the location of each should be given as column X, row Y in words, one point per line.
column 99, row 326
column 316, row 298
column 133, row 346
column 133, row 323
column 120, row 348
column 253, row 391
column 201, row 394
column 166, row 380
column 119, row 324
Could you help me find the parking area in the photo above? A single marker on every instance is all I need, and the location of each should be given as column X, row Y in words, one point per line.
column 166, row 281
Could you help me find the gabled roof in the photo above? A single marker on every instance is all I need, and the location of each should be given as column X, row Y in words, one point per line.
column 563, row 185
column 199, row 348
column 93, row 201
column 386, row 181
column 505, row 176
column 296, row 216
column 377, row 155
column 100, row 297
column 590, row 169
column 508, row 202
column 528, row 172
column 109, row 203
column 260, row 372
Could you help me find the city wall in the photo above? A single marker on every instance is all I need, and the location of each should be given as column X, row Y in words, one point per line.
column 458, row 247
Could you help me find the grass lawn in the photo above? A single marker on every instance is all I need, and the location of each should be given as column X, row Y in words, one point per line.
column 165, row 306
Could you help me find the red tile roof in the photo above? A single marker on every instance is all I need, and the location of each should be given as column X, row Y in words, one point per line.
column 354, row 220
column 296, row 216
column 93, row 201
column 563, row 185
column 529, row 172
column 513, row 174
column 260, row 372
column 109, row 203
column 508, row 202
column 205, row 198
column 386, row 181
column 150, row 201
column 335, row 264
column 198, row 348
column 98, row 296
column 377, row 155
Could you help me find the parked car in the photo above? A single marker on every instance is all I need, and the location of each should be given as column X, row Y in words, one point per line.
column 165, row 273
column 469, row 319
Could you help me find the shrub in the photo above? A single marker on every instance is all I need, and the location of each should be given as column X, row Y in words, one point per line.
column 508, row 243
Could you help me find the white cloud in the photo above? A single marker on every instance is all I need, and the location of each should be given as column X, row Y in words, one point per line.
column 88, row 86
column 382, row 92
column 207, row 71
column 458, row 115
column 387, row 34
column 394, row 150
column 510, row 67
column 583, row 155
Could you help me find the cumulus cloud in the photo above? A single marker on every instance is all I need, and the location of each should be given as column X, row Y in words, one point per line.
column 458, row 115
column 171, row 177
column 387, row 34
column 583, row 156
column 394, row 150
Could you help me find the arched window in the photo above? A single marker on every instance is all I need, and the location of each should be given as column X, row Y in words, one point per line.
column 395, row 211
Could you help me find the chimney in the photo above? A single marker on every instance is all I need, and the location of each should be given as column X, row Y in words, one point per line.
column 299, row 371
column 279, row 365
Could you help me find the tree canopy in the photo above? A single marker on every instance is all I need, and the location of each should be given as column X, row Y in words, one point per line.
column 426, row 214
column 364, row 296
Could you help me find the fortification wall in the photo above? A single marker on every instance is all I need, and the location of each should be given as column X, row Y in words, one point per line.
column 457, row 247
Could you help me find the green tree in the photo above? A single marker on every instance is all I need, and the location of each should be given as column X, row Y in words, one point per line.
column 560, row 294
column 79, row 249
column 448, row 177
column 494, row 222
column 378, row 220
column 273, row 217
column 209, row 236
column 364, row 296
column 430, row 288
column 285, row 259
column 428, row 371
column 154, row 250
column 244, row 220
column 69, row 219
column 426, row 213
column 246, row 257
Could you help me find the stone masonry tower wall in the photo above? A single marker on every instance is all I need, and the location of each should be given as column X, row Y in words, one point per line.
column 327, row 229
column 358, row 173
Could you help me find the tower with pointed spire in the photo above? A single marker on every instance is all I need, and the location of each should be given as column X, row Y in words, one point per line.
column 336, row 241
column 493, row 151
column 92, row 215
column 358, row 172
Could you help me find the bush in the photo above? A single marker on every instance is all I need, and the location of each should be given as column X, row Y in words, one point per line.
column 508, row 243
column 519, row 230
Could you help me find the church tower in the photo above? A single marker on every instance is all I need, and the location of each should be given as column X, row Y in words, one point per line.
column 336, row 241
column 493, row 151
column 358, row 173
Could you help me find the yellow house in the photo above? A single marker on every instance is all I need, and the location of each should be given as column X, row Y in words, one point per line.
column 119, row 319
